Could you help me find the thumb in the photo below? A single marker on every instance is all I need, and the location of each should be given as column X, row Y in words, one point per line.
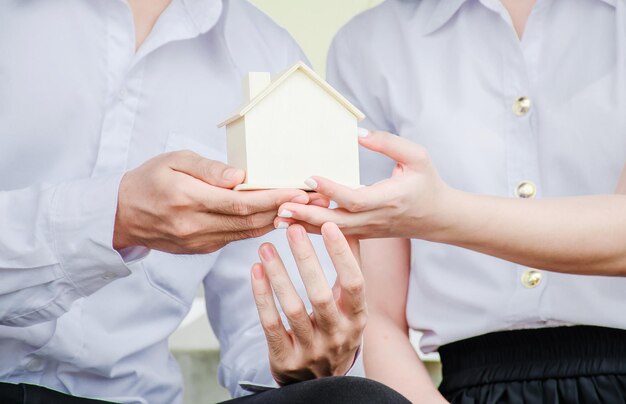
column 210, row 171
column 395, row 147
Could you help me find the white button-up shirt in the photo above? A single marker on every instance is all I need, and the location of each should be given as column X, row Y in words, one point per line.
column 450, row 75
column 78, row 107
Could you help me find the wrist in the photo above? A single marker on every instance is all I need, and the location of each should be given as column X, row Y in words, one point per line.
column 445, row 220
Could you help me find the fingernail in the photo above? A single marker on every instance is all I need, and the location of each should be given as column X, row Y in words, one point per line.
column 363, row 132
column 267, row 252
column 230, row 173
column 311, row 183
column 282, row 225
column 331, row 231
column 301, row 199
column 296, row 233
column 257, row 272
column 285, row 214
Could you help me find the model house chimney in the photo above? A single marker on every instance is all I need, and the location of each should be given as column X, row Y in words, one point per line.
column 255, row 83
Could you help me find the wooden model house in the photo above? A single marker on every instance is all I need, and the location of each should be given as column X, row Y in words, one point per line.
column 291, row 128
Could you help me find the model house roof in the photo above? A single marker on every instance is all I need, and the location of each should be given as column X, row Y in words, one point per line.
column 302, row 67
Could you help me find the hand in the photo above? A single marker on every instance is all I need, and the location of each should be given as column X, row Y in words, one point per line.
column 325, row 342
column 412, row 203
column 182, row 203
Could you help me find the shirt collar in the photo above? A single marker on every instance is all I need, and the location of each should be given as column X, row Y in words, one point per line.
column 443, row 10
column 204, row 13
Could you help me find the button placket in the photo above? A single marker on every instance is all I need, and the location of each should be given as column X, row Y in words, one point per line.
column 523, row 173
column 118, row 124
column 123, row 85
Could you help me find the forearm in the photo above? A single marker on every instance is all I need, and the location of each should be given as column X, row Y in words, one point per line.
column 390, row 359
column 621, row 184
column 579, row 235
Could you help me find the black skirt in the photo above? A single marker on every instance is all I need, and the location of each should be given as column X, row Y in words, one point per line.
column 564, row 365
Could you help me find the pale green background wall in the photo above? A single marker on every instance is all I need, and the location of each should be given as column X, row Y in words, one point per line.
column 313, row 23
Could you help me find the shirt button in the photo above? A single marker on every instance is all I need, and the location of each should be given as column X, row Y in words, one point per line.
column 531, row 278
column 34, row 364
column 521, row 106
column 109, row 276
column 526, row 190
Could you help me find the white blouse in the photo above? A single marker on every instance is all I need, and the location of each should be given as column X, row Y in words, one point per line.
column 541, row 117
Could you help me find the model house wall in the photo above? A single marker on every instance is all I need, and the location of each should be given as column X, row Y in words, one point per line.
column 295, row 128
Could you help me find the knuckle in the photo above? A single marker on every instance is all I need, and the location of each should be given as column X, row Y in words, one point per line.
column 323, row 300
column 316, row 357
column 182, row 229
column 355, row 286
column 254, row 233
column 337, row 341
column 262, row 301
column 273, row 326
column 303, row 255
column 240, row 208
column 292, row 367
column 341, row 249
column 296, row 312
column 361, row 320
column 356, row 206
column 176, row 195
column 255, row 221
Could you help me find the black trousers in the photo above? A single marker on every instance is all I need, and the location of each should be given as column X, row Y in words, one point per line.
column 565, row 365
column 328, row 390
column 31, row 394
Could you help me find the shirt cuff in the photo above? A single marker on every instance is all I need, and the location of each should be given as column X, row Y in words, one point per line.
column 357, row 368
column 82, row 225
column 255, row 388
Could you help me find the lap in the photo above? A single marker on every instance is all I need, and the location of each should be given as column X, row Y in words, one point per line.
column 328, row 390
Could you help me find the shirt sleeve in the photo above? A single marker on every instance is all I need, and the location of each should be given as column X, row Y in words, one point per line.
column 352, row 72
column 56, row 247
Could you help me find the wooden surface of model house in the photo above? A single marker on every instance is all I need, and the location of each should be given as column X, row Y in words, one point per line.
column 291, row 128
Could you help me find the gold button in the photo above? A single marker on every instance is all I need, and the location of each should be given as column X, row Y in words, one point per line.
column 521, row 106
column 531, row 278
column 526, row 189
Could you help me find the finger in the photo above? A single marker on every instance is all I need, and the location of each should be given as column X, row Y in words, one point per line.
column 245, row 203
column 355, row 247
column 292, row 305
column 349, row 276
column 362, row 199
column 317, row 216
column 278, row 340
column 311, row 214
column 212, row 242
column 317, row 288
column 230, row 223
column 354, row 200
column 209, row 171
column 318, row 200
column 280, row 223
column 398, row 148
column 244, row 234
